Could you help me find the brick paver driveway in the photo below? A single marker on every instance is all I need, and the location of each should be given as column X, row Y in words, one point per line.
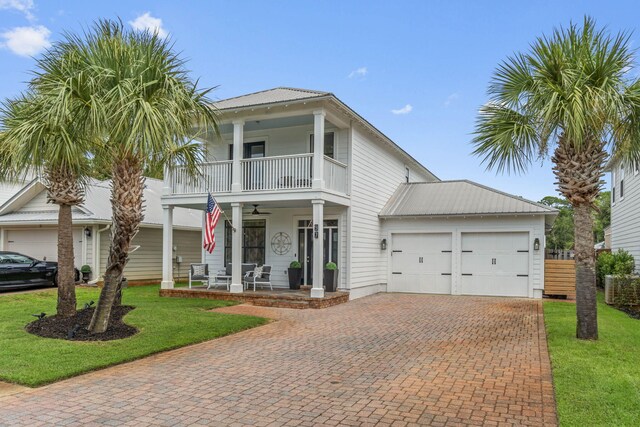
column 381, row 360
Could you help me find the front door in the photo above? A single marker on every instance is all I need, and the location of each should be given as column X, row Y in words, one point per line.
column 305, row 246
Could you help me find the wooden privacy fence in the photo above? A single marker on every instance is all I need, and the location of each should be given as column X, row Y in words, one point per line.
column 560, row 277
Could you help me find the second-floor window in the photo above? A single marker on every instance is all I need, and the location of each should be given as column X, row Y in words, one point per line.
column 406, row 174
column 613, row 186
column 329, row 144
column 621, row 182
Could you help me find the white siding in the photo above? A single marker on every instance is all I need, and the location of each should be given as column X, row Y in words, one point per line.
column 625, row 220
column 145, row 263
column 8, row 189
column 281, row 142
column 285, row 220
column 534, row 224
column 376, row 172
column 39, row 204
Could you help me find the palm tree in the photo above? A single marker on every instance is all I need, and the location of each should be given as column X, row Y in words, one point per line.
column 142, row 110
column 33, row 139
column 571, row 93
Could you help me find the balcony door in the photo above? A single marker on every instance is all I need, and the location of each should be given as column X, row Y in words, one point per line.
column 252, row 172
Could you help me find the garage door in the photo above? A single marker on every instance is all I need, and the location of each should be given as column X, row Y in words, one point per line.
column 42, row 242
column 495, row 264
column 421, row 263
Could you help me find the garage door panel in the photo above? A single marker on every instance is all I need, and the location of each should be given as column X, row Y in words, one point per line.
column 421, row 258
column 495, row 264
column 42, row 243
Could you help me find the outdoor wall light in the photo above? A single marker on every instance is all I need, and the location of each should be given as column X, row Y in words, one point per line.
column 87, row 231
column 383, row 244
column 536, row 244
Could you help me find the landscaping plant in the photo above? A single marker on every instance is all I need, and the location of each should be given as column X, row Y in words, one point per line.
column 574, row 97
column 136, row 101
column 614, row 263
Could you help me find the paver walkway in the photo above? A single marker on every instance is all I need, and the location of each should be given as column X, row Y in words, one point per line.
column 381, row 360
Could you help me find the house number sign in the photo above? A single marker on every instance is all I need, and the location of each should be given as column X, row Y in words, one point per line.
column 280, row 243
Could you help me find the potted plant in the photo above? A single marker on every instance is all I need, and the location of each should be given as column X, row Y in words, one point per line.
column 295, row 274
column 86, row 273
column 330, row 277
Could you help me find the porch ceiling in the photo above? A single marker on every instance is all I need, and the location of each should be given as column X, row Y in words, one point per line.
column 280, row 122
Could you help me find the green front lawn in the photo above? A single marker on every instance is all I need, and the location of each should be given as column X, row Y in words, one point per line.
column 596, row 383
column 164, row 323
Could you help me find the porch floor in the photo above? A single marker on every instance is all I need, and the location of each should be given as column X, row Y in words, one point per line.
column 281, row 298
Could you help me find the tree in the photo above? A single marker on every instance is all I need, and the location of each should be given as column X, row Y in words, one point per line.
column 142, row 111
column 38, row 135
column 602, row 215
column 571, row 92
column 561, row 235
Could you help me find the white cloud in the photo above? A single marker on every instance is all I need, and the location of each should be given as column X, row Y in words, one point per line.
column 24, row 6
column 451, row 99
column 148, row 22
column 360, row 72
column 26, row 41
column 404, row 110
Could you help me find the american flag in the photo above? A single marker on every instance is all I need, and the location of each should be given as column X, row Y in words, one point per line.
column 213, row 215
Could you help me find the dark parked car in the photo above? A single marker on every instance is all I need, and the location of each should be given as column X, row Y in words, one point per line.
column 19, row 271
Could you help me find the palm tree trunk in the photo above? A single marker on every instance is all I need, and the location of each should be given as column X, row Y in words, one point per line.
column 66, row 274
column 586, row 307
column 127, row 188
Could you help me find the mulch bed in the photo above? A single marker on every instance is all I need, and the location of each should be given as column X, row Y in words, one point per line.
column 60, row 327
column 633, row 312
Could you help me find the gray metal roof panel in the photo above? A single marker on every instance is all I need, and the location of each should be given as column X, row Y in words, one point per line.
column 270, row 96
column 456, row 198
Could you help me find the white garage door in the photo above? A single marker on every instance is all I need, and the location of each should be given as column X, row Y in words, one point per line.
column 421, row 263
column 42, row 242
column 495, row 264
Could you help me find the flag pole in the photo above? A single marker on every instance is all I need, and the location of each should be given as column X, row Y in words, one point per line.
column 223, row 213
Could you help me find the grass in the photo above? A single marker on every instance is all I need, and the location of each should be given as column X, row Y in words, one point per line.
column 164, row 323
column 596, row 383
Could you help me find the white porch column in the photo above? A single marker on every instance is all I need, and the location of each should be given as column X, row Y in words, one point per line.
column 167, row 248
column 318, row 248
column 236, row 249
column 318, row 149
column 238, row 142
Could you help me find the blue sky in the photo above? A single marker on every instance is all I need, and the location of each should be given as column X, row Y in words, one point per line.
column 417, row 70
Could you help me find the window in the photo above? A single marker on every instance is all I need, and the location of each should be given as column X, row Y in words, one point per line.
column 635, row 167
column 406, row 174
column 254, row 233
column 621, row 182
column 329, row 144
column 251, row 150
column 613, row 186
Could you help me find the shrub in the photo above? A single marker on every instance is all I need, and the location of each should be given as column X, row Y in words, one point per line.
column 331, row 266
column 618, row 263
column 626, row 290
column 295, row 264
column 85, row 269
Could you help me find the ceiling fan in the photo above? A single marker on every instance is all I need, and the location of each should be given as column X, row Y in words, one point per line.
column 257, row 212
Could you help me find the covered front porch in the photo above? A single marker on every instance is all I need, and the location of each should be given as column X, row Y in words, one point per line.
column 267, row 233
column 278, row 298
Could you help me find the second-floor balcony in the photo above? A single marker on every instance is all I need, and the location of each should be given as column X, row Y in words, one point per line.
column 277, row 173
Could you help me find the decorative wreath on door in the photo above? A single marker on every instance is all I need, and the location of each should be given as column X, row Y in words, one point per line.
column 281, row 243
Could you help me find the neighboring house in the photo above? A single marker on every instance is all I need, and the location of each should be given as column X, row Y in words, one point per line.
column 304, row 177
column 28, row 224
column 625, row 206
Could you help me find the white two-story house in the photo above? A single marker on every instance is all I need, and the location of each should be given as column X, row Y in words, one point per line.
column 625, row 208
column 301, row 176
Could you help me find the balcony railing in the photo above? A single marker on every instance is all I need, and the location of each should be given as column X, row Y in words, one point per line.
column 216, row 178
column 289, row 172
column 277, row 173
column 335, row 175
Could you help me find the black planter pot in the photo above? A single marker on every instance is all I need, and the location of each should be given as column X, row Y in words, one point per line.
column 86, row 277
column 330, row 280
column 294, row 278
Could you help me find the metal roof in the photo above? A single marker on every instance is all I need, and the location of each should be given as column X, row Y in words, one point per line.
column 449, row 198
column 97, row 207
column 270, row 96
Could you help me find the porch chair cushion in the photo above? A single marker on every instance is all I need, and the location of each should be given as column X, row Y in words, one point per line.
column 257, row 272
column 199, row 271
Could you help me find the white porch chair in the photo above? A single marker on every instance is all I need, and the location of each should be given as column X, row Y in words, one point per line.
column 265, row 278
column 198, row 273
